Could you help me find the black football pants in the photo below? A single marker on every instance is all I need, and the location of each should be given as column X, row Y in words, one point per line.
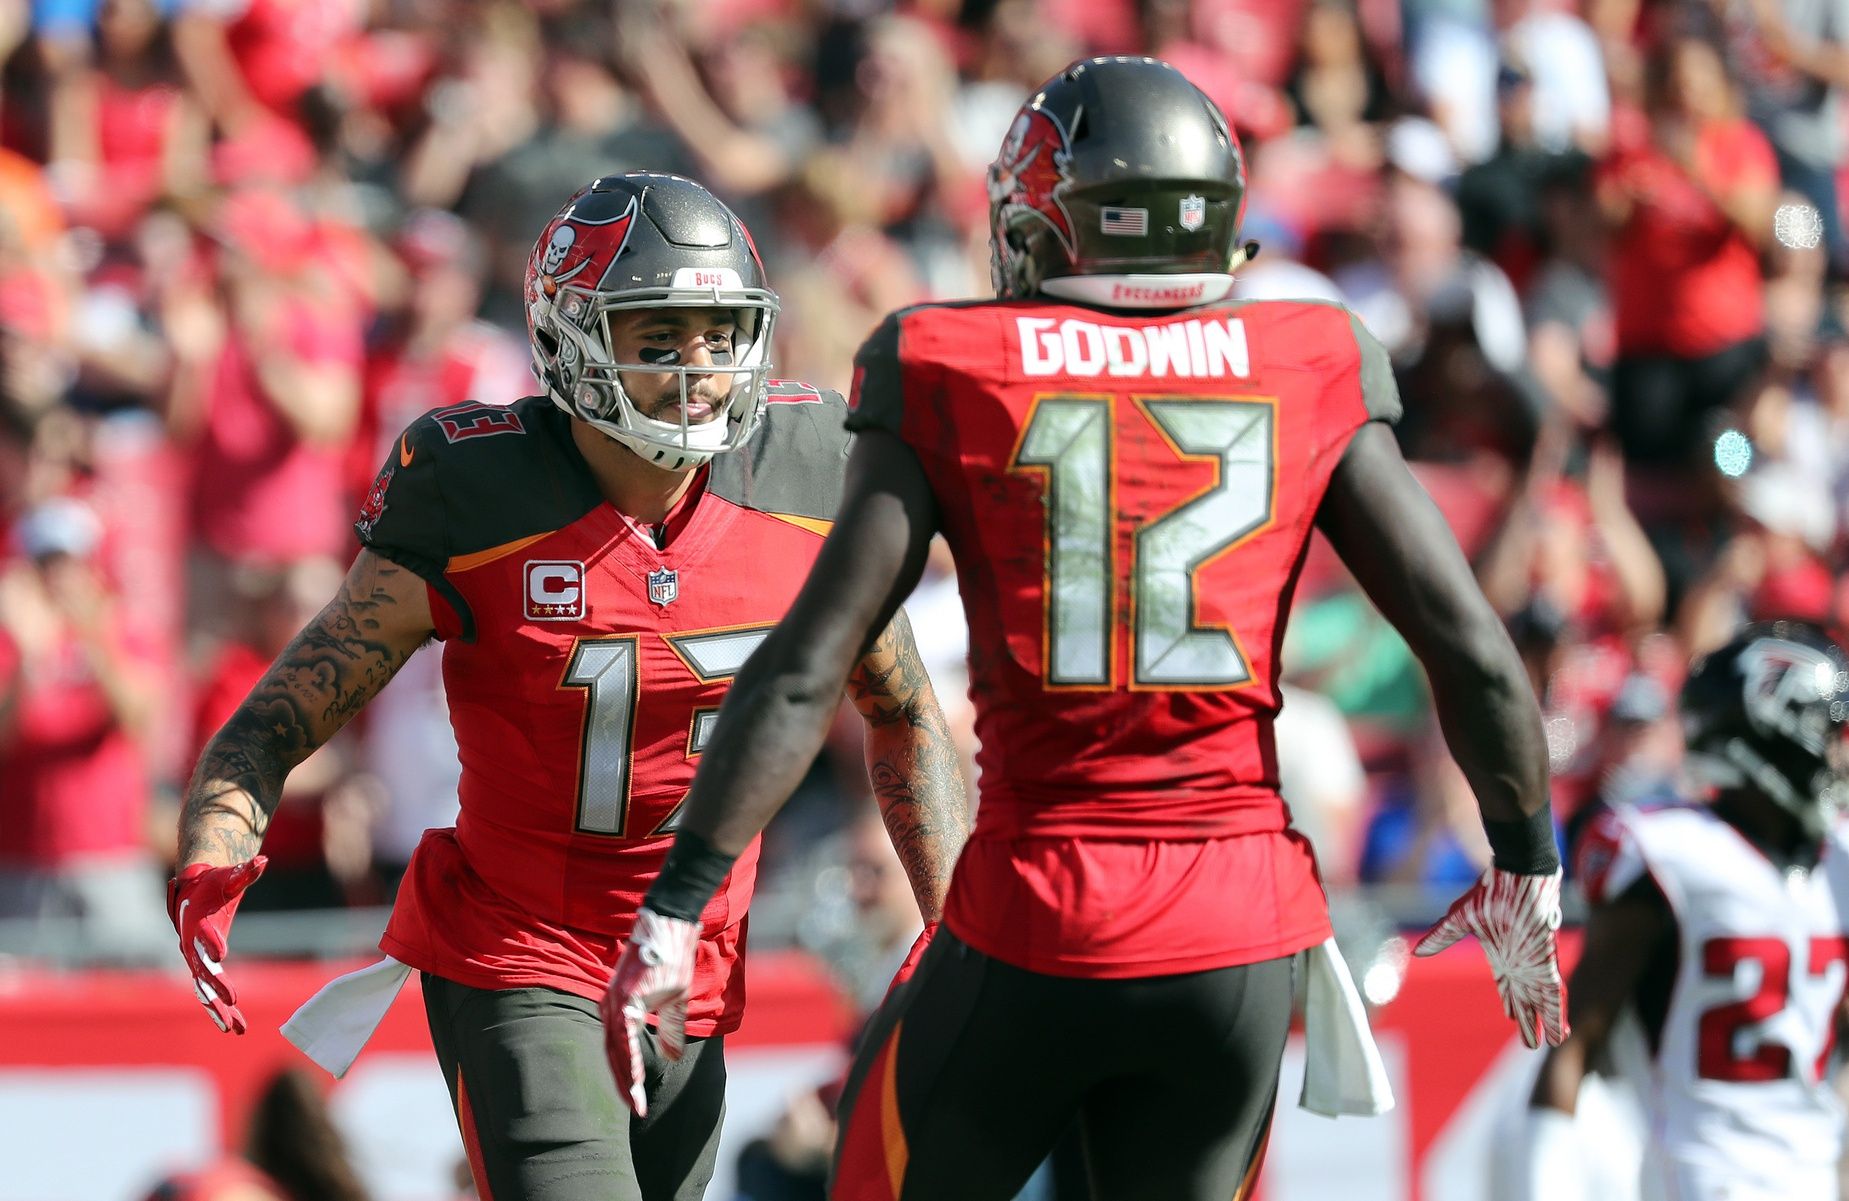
column 538, row 1107
column 967, row 1076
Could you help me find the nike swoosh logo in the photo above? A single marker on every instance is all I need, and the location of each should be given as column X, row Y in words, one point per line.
column 404, row 450
column 179, row 919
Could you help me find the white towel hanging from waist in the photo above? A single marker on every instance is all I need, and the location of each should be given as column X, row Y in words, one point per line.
column 333, row 1025
column 1342, row 1071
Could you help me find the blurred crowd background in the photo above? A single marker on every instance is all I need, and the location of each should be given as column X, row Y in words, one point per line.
column 244, row 242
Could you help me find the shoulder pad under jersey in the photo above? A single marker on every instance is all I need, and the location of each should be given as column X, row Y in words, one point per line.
column 796, row 463
column 469, row 478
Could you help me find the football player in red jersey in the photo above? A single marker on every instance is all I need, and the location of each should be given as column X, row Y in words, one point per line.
column 599, row 561
column 1127, row 467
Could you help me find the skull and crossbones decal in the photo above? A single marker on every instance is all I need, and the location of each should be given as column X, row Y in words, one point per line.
column 563, row 239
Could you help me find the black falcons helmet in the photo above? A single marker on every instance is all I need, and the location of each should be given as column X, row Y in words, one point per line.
column 1117, row 166
column 1767, row 713
column 645, row 241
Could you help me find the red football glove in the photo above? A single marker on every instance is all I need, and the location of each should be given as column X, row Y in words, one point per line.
column 653, row 975
column 911, row 960
column 202, row 900
column 1516, row 918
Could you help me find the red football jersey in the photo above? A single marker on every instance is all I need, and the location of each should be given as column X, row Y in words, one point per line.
column 1129, row 497
column 585, row 668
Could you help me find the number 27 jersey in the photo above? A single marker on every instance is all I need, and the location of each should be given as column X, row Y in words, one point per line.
column 1734, row 1063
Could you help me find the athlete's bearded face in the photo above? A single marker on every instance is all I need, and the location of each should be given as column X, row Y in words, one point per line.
column 675, row 337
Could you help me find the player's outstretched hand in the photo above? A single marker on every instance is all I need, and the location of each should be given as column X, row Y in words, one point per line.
column 1517, row 919
column 653, row 975
column 202, row 900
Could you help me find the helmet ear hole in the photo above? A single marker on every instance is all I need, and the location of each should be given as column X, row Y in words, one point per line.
column 1023, row 278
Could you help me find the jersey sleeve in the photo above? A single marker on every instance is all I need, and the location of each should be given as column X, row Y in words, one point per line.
column 877, row 400
column 401, row 518
column 796, row 464
column 1608, row 862
column 1379, row 393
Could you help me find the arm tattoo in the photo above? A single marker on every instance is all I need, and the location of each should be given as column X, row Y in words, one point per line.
column 878, row 685
column 323, row 677
column 912, row 761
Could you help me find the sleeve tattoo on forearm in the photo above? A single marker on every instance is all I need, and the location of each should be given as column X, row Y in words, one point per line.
column 321, row 679
column 912, row 762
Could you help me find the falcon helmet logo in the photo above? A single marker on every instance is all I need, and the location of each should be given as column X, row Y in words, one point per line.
column 1031, row 172
column 1788, row 688
column 664, row 585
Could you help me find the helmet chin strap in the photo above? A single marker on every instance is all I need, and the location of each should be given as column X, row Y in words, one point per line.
column 668, row 458
column 658, row 456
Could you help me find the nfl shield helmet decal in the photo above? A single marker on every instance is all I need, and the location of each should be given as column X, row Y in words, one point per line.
column 1193, row 212
column 664, row 585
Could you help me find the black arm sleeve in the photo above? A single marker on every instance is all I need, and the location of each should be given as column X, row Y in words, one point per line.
column 778, row 710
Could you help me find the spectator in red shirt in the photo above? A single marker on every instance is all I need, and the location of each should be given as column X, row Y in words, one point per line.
column 245, row 56
column 123, row 132
column 75, row 701
column 267, row 388
column 1775, row 565
column 1690, row 196
column 270, row 606
column 1573, row 543
column 433, row 351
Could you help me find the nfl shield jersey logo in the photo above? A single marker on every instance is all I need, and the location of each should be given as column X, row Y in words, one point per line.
column 664, row 584
column 1193, row 212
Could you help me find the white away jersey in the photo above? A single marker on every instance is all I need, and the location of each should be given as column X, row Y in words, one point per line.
column 1735, row 1089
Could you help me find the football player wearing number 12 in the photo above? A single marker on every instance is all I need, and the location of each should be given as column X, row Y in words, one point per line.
column 1127, row 467
column 599, row 560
